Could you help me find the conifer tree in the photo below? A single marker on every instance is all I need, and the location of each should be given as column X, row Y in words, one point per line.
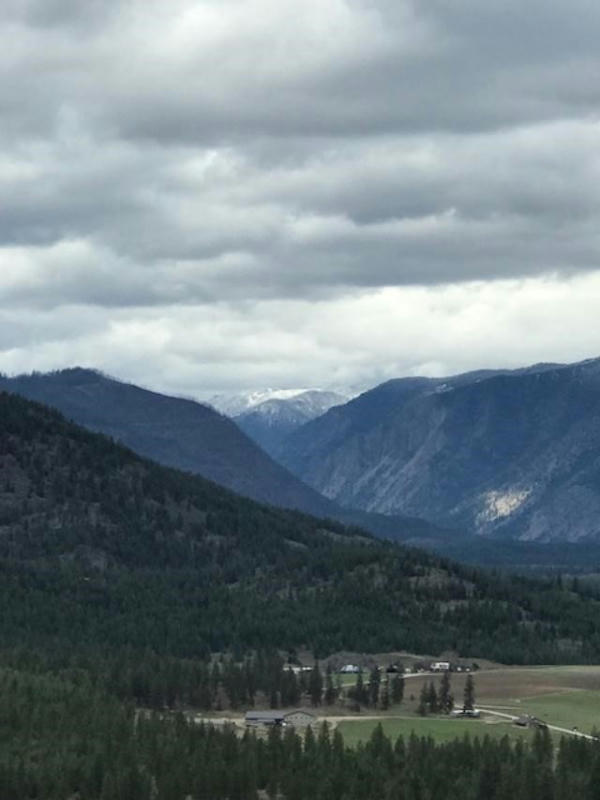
column 330, row 691
column 432, row 699
column 374, row 684
column 315, row 685
column 469, row 695
column 445, row 698
column 397, row 688
column 423, row 698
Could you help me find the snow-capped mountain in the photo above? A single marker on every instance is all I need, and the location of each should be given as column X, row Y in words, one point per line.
column 232, row 405
column 269, row 421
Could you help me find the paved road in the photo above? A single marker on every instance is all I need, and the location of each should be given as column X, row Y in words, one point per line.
column 512, row 717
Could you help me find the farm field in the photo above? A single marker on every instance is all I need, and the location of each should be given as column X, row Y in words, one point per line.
column 441, row 729
column 568, row 709
column 563, row 696
column 508, row 687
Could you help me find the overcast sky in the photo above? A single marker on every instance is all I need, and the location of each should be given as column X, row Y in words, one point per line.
column 205, row 195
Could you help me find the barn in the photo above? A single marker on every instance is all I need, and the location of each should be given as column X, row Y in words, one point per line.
column 298, row 718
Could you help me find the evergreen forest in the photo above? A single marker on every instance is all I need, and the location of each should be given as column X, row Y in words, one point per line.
column 132, row 593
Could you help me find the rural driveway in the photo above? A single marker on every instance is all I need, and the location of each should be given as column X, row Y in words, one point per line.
column 511, row 717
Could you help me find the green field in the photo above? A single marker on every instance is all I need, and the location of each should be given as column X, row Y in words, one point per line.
column 567, row 709
column 562, row 696
column 441, row 729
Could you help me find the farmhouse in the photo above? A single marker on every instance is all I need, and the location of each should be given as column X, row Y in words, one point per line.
column 440, row 666
column 351, row 669
column 299, row 718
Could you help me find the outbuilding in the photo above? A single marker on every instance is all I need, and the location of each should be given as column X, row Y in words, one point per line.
column 298, row 718
column 256, row 719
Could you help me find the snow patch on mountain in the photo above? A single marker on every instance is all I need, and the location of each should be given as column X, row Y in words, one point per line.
column 232, row 405
column 498, row 505
column 308, row 403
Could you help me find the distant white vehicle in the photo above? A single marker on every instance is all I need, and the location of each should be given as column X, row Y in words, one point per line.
column 440, row 666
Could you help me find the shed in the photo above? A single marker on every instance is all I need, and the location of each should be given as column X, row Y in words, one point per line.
column 298, row 718
column 267, row 718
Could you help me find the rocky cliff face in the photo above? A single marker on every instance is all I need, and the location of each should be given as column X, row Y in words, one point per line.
column 506, row 454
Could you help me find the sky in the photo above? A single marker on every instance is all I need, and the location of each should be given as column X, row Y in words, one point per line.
column 215, row 196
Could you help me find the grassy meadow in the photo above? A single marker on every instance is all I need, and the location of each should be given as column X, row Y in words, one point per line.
column 442, row 729
column 562, row 696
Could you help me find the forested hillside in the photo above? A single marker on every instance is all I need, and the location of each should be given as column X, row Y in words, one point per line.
column 125, row 584
column 193, row 437
column 173, row 431
column 101, row 549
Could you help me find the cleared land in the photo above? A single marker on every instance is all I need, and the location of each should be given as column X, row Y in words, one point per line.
column 441, row 729
column 564, row 696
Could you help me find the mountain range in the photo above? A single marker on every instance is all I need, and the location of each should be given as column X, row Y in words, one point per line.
column 193, row 437
column 173, row 431
column 109, row 559
column 505, row 454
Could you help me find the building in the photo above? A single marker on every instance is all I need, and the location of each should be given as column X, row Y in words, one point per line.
column 350, row 669
column 440, row 666
column 298, row 718
column 466, row 713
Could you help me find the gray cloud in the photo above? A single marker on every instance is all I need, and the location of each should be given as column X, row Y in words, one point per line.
column 236, row 155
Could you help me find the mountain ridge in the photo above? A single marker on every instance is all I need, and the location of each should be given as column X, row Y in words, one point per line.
column 187, row 435
column 101, row 548
column 505, row 453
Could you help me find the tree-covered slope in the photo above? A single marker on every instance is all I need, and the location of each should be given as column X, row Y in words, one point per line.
column 173, row 431
column 100, row 548
column 192, row 437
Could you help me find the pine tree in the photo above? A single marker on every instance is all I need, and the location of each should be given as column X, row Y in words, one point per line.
column 315, row 685
column 432, row 699
column 469, row 695
column 374, row 684
column 445, row 699
column 397, row 688
column 330, row 691
column 423, row 697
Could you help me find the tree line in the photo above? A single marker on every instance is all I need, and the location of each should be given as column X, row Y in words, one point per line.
column 64, row 738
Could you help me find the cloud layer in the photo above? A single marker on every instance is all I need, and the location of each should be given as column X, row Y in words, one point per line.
column 265, row 176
